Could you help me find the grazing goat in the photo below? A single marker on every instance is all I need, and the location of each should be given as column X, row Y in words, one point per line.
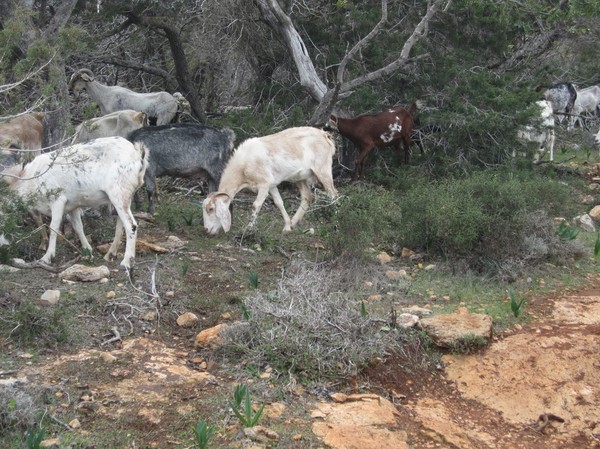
column 119, row 123
column 184, row 151
column 161, row 106
column 542, row 133
column 301, row 155
column 24, row 132
column 587, row 102
column 562, row 97
column 391, row 127
column 103, row 171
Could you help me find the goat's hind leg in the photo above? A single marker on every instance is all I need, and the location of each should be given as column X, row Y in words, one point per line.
column 75, row 218
column 125, row 222
column 306, row 198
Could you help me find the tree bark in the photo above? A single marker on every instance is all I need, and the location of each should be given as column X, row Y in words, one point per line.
column 182, row 72
column 277, row 19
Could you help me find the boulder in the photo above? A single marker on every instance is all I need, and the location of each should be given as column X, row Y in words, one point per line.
column 84, row 273
column 449, row 329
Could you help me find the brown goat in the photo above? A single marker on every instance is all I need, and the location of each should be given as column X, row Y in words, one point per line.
column 392, row 127
column 24, row 132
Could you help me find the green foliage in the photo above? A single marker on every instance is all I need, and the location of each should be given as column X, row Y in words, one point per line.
column 31, row 324
column 253, row 278
column 185, row 266
column 363, row 309
column 566, row 232
column 516, row 305
column 597, row 246
column 486, row 219
column 365, row 216
column 35, row 438
column 203, row 433
column 244, row 412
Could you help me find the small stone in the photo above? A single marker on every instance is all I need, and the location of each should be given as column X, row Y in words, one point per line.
column 150, row 316
column 407, row 253
column 407, row 320
column 396, row 275
column 111, row 294
column 339, row 397
column 84, row 273
column 187, row 320
column 49, row 298
column 384, row 258
column 107, row 357
column 50, row 442
column 74, row 424
column 261, row 434
column 210, row 337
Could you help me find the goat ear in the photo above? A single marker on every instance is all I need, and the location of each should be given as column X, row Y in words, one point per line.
column 222, row 203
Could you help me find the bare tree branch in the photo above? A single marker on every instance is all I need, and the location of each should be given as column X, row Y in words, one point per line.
column 404, row 59
column 274, row 15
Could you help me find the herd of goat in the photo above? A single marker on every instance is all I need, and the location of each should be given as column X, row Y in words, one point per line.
column 112, row 156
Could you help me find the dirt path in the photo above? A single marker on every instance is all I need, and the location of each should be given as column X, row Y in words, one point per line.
column 548, row 368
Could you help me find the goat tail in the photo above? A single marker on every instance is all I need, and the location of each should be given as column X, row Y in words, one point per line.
column 330, row 142
column 144, row 153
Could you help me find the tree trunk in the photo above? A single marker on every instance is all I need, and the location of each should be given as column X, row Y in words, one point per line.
column 181, row 66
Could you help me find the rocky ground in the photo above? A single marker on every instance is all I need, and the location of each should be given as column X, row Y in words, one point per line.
column 133, row 377
column 535, row 386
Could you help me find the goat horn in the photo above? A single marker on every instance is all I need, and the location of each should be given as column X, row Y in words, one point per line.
column 76, row 75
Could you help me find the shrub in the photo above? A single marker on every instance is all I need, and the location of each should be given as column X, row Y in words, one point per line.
column 311, row 325
column 365, row 216
column 492, row 220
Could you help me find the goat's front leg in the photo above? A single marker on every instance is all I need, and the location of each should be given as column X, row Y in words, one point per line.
column 57, row 210
column 279, row 203
column 256, row 206
column 125, row 222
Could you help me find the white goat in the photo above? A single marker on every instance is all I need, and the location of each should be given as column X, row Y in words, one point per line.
column 543, row 134
column 119, row 123
column 159, row 105
column 587, row 102
column 301, row 155
column 103, row 171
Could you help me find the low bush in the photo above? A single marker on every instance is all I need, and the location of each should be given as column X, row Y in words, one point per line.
column 491, row 220
column 364, row 217
column 311, row 326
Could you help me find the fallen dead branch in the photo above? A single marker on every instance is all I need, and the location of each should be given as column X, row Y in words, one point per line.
column 18, row 263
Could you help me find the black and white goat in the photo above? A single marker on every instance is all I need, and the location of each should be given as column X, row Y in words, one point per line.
column 301, row 155
column 542, row 132
column 103, row 171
